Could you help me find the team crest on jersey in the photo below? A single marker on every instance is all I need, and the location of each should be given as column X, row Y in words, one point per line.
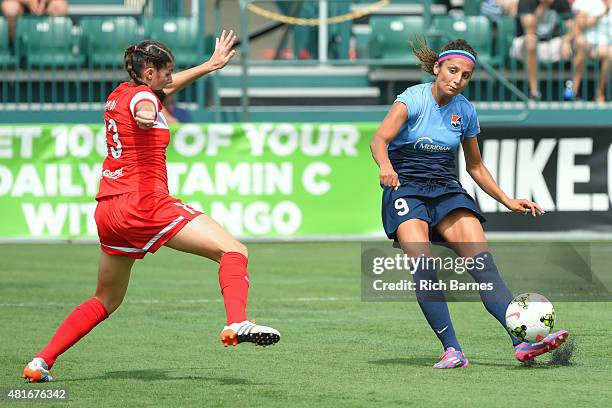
column 456, row 120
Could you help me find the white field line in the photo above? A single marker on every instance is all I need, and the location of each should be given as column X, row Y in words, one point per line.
column 570, row 235
column 184, row 301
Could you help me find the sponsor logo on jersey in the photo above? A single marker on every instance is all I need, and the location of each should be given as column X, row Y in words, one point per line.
column 427, row 144
column 456, row 120
column 114, row 175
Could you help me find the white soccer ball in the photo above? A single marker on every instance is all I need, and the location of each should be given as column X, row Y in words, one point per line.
column 530, row 317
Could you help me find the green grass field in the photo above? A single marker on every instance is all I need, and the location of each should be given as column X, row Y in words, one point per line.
column 161, row 347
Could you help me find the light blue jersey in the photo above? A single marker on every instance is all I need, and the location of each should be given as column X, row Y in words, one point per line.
column 426, row 145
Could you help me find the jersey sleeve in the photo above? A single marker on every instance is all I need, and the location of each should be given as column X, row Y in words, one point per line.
column 412, row 100
column 472, row 126
column 143, row 96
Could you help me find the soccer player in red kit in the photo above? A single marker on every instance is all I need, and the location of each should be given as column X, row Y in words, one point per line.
column 136, row 214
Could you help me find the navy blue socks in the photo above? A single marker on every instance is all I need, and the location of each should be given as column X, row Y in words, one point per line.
column 496, row 301
column 433, row 304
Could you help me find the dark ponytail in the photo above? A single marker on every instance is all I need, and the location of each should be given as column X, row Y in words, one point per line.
column 147, row 52
column 428, row 56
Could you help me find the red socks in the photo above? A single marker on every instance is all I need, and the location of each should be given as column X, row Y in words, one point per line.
column 233, row 279
column 234, row 282
column 85, row 317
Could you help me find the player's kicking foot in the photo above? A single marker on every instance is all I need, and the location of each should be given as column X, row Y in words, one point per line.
column 528, row 351
column 249, row 332
column 452, row 359
column 37, row 371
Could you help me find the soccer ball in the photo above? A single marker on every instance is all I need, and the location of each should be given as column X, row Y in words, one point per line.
column 530, row 317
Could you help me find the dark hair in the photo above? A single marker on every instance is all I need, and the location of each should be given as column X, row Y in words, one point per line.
column 146, row 52
column 428, row 57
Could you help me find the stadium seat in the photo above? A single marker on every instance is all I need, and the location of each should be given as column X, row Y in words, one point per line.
column 6, row 58
column 479, row 34
column 471, row 7
column 390, row 35
column 49, row 42
column 506, row 30
column 105, row 38
column 178, row 33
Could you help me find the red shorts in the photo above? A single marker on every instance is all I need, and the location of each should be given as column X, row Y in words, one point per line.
column 132, row 224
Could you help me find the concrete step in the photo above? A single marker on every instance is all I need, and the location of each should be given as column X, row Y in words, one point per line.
column 288, row 96
column 291, row 76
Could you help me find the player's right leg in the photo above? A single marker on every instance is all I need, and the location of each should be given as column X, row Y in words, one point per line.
column 113, row 278
column 413, row 236
column 205, row 237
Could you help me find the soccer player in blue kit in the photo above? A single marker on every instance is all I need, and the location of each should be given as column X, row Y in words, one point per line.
column 423, row 200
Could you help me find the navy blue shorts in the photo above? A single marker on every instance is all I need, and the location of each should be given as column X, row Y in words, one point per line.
column 427, row 201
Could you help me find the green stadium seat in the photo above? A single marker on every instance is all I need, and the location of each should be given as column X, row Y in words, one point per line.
column 390, row 35
column 49, row 42
column 506, row 31
column 106, row 38
column 178, row 33
column 479, row 34
column 6, row 58
column 471, row 7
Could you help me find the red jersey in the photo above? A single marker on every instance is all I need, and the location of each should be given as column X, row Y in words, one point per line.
column 136, row 159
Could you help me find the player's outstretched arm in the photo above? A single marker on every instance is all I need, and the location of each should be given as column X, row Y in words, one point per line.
column 398, row 114
column 481, row 175
column 221, row 56
column 145, row 114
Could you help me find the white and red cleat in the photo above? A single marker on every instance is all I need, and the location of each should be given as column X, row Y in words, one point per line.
column 37, row 371
column 249, row 332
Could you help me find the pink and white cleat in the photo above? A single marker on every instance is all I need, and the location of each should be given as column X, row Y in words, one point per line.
column 452, row 359
column 528, row 351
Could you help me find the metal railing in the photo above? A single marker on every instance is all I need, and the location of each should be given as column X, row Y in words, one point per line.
column 33, row 78
column 73, row 62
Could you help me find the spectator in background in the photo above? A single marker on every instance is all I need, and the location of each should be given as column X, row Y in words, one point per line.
column 494, row 9
column 593, row 38
column 539, row 36
column 173, row 113
column 12, row 9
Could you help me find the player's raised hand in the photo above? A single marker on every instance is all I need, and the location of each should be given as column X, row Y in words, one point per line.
column 388, row 177
column 525, row 206
column 223, row 49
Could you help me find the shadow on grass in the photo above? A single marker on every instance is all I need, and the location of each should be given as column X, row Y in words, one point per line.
column 428, row 362
column 164, row 375
column 410, row 361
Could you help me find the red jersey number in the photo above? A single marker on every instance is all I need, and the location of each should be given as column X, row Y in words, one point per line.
column 117, row 149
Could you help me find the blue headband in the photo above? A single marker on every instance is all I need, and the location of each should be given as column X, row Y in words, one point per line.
column 456, row 53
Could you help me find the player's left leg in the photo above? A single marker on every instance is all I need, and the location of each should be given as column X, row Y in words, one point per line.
column 464, row 232
column 205, row 237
